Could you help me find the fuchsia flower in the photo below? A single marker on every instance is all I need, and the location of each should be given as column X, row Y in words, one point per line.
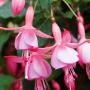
column 83, row 49
column 2, row 2
column 27, row 36
column 63, row 54
column 17, row 6
column 38, row 68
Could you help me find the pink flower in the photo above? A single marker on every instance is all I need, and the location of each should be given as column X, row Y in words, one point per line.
column 63, row 53
column 2, row 2
column 38, row 68
column 27, row 36
column 17, row 6
column 84, row 48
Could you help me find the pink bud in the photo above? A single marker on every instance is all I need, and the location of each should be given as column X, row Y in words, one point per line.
column 17, row 6
column 2, row 2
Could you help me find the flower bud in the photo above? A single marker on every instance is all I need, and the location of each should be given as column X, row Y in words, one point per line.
column 2, row 2
column 17, row 6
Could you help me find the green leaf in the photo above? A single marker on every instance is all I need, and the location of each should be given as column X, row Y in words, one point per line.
column 69, row 1
column 5, row 10
column 55, row 74
column 46, row 28
column 69, row 14
column 45, row 4
column 86, row 1
column 4, row 36
column 88, row 34
column 5, row 82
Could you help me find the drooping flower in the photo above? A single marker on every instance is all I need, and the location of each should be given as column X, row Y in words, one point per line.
column 63, row 54
column 27, row 36
column 34, row 64
column 17, row 6
column 84, row 48
column 38, row 68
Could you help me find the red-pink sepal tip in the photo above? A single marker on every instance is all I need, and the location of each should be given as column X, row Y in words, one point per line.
column 55, row 85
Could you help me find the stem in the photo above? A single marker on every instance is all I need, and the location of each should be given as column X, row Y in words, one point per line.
column 70, row 9
column 35, row 5
column 52, row 16
column 30, row 2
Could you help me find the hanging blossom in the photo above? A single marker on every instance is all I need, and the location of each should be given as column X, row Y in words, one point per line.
column 63, row 52
column 64, row 56
column 27, row 36
column 17, row 6
column 36, row 67
column 83, row 49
